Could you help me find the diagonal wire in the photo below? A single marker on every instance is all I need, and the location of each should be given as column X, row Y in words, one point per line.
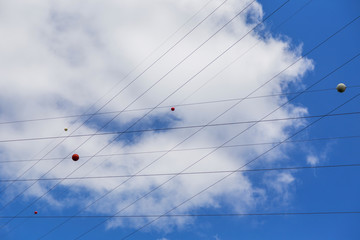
column 228, row 175
column 259, row 88
column 132, row 103
column 193, row 173
column 206, row 66
column 154, row 189
column 178, row 128
column 190, row 149
column 194, row 215
column 243, row 54
column 180, row 105
column 329, row 37
column 3, row 207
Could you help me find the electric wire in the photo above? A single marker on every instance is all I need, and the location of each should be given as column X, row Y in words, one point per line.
column 169, row 106
column 238, row 134
column 298, row 60
column 179, row 28
column 136, row 100
column 190, row 149
column 111, row 99
column 101, row 113
column 223, row 178
column 135, row 79
column 256, row 42
column 190, row 173
column 91, row 115
column 113, row 87
column 206, row 66
column 191, row 215
column 351, row 59
column 182, row 141
column 177, row 128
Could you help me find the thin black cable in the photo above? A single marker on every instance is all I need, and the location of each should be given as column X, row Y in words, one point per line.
column 136, row 100
column 191, row 215
column 283, row 22
column 100, row 113
column 169, row 106
column 125, row 76
column 191, row 149
column 97, row 113
column 266, row 83
column 202, row 127
column 106, row 105
column 228, row 175
column 224, row 144
column 262, row 96
column 328, row 38
column 189, row 173
column 206, row 66
column 91, row 115
column 183, row 25
column 177, row 128
column 154, row 189
column 289, row 100
column 258, row 41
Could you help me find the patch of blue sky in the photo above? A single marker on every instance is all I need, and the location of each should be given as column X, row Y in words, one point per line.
column 153, row 121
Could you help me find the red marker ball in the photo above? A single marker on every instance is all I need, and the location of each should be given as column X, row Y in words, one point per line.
column 35, row 212
column 75, row 157
column 172, row 109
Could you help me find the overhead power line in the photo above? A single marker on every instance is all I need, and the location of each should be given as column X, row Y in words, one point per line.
column 136, row 67
column 178, row 128
column 118, row 93
column 189, row 149
column 190, row 215
column 169, row 106
column 330, row 112
column 186, row 173
column 154, row 84
column 218, row 181
column 318, row 45
column 221, row 179
column 190, row 79
column 208, row 39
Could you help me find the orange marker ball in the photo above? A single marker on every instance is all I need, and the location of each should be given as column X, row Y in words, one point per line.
column 75, row 157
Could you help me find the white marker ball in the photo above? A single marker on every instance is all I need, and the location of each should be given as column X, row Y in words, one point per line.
column 341, row 87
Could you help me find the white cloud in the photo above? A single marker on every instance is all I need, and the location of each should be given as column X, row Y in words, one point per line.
column 216, row 237
column 58, row 58
column 312, row 160
column 281, row 185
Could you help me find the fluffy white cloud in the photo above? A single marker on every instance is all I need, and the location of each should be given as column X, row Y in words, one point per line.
column 312, row 160
column 58, row 58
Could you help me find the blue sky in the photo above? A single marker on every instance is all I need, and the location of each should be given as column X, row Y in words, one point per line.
column 60, row 58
